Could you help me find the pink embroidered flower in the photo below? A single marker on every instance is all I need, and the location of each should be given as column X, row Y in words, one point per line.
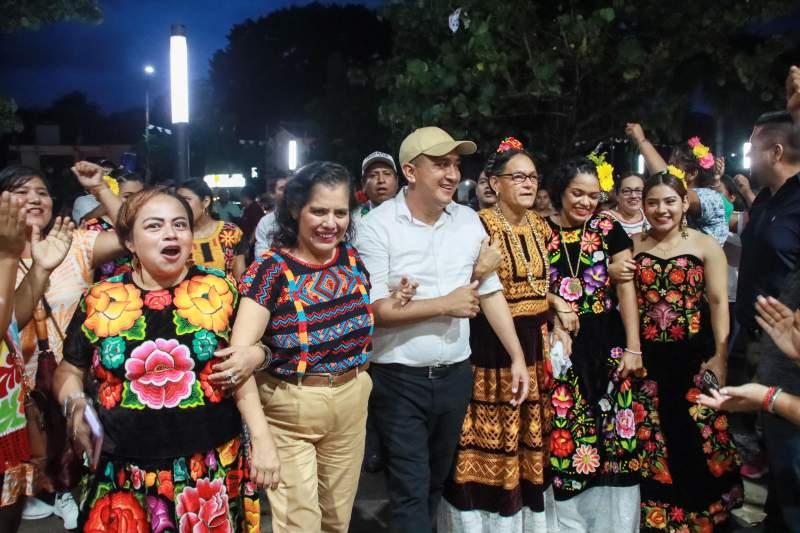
column 605, row 225
column 566, row 290
column 562, row 400
column 160, row 518
column 590, row 242
column 158, row 300
column 586, row 459
column 160, row 373
column 626, row 423
column 137, row 477
column 204, row 508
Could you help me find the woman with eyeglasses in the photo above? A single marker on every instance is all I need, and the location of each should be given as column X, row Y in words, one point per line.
column 628, row 211
column 498, row 481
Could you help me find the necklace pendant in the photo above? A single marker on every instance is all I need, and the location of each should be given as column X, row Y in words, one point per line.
column 574, row 286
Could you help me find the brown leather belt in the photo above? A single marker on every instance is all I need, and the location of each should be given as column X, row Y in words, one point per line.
column 326, row 379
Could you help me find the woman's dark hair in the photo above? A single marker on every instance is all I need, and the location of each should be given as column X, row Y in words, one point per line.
column 298, row 192
column 130, row 176
column 126, row 218
column 15, row 176
column 200, row 188
column 686, row 160
column 664, row 178
column 558, row 181
column 496, row 163
column 625, row 175
column 740, row 202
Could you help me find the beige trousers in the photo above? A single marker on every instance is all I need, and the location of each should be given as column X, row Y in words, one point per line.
column 319, row 432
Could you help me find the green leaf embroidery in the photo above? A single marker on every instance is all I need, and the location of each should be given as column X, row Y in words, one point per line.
column 195, row 398
column 183, row 325
column 129, row 398
column 102, row 489
column 90, row 335
column 10, row 409
column 137, row 331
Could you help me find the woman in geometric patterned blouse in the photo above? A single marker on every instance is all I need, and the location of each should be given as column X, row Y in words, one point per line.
column 171, row 455
column 689, row 462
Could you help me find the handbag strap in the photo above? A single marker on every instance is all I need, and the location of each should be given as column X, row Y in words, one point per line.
column 44, row 341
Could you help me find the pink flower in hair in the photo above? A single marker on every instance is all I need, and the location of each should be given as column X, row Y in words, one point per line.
column 694, row 141
column 707, row 161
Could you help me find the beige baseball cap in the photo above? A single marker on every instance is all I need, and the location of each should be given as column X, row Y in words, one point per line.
column 432, row 141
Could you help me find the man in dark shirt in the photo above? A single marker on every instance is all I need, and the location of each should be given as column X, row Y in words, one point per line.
column 771, row 239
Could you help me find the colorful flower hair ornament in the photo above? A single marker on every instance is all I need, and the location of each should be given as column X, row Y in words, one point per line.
column 701, row 152
column 605, row 171
column 678, row 173
column 112, row 184
column 509, row 143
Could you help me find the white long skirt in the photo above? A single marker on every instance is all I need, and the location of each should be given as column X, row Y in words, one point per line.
column 600, row 510
column 452, row 520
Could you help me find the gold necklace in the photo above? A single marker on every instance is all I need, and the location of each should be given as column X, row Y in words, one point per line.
column 573, row 283
column 517, row 244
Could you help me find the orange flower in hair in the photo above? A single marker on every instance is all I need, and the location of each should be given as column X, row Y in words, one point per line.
column 509, row 143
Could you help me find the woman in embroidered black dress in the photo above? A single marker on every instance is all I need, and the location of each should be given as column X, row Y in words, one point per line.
column 172, row 456
column 593, row 464
column 689, row 460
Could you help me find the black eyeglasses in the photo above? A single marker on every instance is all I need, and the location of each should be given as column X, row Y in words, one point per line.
column 519, row 177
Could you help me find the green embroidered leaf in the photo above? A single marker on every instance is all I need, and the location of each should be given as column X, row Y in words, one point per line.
column 129, row 398
column 9, row 413
column 554, row 257
column 183, row 326
column 137, row 331
column 225, row 334
column 554, row 461
column 559, row 422
column 211, row 270
column 585, row 259
column 90, row 335
column 82, row 305
column 102, row 489
column 589, row 439
column 195, row 398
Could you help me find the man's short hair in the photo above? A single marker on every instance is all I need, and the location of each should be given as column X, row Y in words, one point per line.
column 777, row 127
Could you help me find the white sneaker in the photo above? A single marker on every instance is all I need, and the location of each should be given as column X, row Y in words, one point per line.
column 36, row 509
column 66, row 508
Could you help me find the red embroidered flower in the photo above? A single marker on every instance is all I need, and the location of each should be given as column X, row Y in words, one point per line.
column 677, row 275
column 118, row 512
column 361, row 197
column 677, row 514
column 232, row 482
column 652, row 296
column 650, row 332
column 554, row 243
column 211, row 391
column 676, row 332
column 721, row 423
column 197, row 468
column 204, row 508
column 643, row 433
column 719, row 463
column 656, row 518
column 158, row 300
column 110, row 392
column 165, row 487
column 590, row 242
column 160, row 373
column 561, row 444
column 639, row 412
column 648, row 276
column 702, row 525
column 692, row 394
column 674, row 297
column 562, row 400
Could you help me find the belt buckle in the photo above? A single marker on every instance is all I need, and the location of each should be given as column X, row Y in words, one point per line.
column 331, row 379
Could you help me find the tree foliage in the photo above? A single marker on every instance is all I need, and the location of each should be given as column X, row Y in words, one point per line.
column 301, row 64
column 565, row 73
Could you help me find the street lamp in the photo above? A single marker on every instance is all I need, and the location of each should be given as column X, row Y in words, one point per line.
column 746, row 156
column 640, row 164
column 179, row 92
column 292, row 155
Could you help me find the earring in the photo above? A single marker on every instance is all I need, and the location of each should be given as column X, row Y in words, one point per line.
column 684, row 225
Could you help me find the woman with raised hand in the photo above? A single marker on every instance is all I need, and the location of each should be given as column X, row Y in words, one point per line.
column 217, row 244
column 165, row 443
column 694, row 162
column 593, row 460
column 62, row 282
column 500, row 482
column 689, row 461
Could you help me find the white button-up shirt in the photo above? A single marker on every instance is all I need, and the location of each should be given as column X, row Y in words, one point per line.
column 265, row 230
column 441, row 257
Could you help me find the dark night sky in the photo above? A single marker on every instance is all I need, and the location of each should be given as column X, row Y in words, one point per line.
column 106, row 61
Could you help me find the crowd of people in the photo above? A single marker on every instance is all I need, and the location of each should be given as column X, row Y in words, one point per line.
column 555, row 361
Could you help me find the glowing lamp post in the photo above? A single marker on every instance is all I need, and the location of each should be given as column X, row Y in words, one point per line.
column 179, row 93
column 292, row 155
column 640, row 164
column 746, row 156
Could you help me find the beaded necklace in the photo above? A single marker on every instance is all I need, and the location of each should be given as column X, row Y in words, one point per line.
column 517, row 244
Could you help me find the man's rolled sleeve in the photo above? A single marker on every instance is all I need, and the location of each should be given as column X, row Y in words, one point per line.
column 490, row 284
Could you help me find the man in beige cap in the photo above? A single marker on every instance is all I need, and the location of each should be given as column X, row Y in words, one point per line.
column 422, row 379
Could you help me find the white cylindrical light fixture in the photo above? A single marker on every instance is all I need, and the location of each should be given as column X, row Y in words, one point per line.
column 179, row 75
column 292, row 155
column 640, row 164
column 746, row 155
column 149, row 70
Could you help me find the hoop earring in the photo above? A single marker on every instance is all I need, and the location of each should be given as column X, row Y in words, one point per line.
column 684, row 226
